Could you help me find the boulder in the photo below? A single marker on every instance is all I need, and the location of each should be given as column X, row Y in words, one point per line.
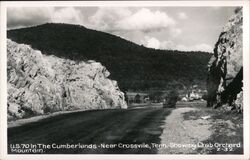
column 42, row 84
column 225, row 68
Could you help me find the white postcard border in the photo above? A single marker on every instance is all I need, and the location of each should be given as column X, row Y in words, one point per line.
column 3, row 79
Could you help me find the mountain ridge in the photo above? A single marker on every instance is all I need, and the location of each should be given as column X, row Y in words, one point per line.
column 133, row 66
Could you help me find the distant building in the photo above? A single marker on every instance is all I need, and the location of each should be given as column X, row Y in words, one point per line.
column 193, row 93
column 184, row 99
column 136, row 97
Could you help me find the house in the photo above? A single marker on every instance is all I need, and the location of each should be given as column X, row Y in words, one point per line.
column 137, row 97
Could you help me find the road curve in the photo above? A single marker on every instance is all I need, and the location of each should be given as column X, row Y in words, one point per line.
column 132, row 126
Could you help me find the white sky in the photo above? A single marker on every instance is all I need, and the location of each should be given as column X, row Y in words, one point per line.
column 181, row 28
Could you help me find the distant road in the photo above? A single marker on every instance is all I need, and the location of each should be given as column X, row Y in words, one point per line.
column 132, row 126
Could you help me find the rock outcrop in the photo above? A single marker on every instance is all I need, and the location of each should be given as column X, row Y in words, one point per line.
column 41, row 84
column 225, row 69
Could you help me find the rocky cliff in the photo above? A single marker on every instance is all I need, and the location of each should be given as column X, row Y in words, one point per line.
column 225, row 69
column 41, row 84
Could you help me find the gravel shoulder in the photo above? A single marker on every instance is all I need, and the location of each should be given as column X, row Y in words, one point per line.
column 182, row 135
column 196, row 129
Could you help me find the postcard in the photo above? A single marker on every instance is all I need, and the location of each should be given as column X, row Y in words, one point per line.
column 124, row 80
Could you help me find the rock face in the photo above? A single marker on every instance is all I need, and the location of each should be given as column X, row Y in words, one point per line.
column 41, row 84
column 225, row 69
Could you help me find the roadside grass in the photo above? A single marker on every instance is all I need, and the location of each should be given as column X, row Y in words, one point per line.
column 193, row 104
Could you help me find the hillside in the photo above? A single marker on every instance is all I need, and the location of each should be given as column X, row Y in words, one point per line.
column 133, row 66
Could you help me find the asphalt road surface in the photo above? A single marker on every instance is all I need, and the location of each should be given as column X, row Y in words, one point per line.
column 132, row 126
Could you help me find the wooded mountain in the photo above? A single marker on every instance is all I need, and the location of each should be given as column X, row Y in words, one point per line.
column 135, row 67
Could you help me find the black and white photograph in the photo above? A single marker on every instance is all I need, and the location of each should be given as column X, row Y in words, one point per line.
column 122, row 80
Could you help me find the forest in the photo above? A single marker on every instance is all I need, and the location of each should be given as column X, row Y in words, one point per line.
column 135, row 67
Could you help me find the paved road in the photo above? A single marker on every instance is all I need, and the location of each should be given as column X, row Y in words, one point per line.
column 188, row 124
column 132, row 126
